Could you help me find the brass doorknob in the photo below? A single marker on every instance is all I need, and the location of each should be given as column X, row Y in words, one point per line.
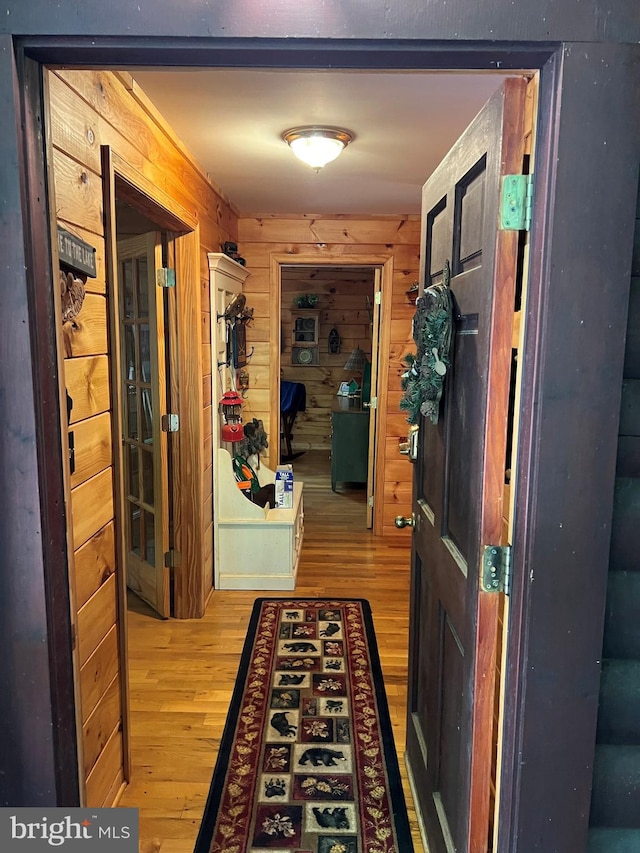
column 402, row 521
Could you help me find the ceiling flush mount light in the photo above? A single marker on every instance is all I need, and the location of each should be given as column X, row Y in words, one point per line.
column 317, row 146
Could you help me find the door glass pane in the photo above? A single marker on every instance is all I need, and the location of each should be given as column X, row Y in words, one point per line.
column 150, row 542
column 134, row 529
column 143, row 288
column 130, row 351
column 147, row 416
column 127, row 283
column 145, row 353
column 145, row 366
column 132, row 412
column 147, row 476
column 133, row 471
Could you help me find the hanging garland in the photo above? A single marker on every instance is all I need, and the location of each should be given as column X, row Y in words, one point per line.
column 423, row 380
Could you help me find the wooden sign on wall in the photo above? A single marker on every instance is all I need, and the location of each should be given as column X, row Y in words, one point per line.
column 76, row 254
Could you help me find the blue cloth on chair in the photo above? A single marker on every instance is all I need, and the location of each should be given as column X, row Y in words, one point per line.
column 293, row 397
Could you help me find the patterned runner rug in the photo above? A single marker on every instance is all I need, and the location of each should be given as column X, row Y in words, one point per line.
column 307, row 761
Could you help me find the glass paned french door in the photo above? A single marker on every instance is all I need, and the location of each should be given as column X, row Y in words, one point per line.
column 145, row 477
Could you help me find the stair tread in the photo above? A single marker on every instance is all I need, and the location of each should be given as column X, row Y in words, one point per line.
column 615, row 796
column 613, row 840
column 621, row 636
column 619, row 711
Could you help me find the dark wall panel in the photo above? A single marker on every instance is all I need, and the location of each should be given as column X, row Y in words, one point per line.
column 27, row 775
column 493, row 20
column 570, row 425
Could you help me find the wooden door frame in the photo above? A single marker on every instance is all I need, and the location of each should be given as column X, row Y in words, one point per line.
column 374, row 420
column 385, row 262
column 552, row 684
column 185, row 364
column 45, row 634
column 137, row 189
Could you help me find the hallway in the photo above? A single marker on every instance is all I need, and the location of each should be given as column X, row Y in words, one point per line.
column 182, row 672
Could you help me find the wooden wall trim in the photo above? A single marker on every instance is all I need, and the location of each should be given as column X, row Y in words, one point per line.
column 519, row 326
column 190, row 591
column 275, row 331
column 173, row 215
column 485, row 653
column 384, row 346
column 111, row 267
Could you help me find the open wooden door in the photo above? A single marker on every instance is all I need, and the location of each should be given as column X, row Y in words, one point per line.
column 145, row 476
column 459, row 482
column 373, row 404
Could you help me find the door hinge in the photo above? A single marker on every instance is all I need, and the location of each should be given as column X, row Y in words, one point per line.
column 370, row 501
column 516, row 202
column 166, row 277
column 170, row 423
column 172, row 559
column 373, row 403
column 74, row 636
column 378, row 299
column 496, row 569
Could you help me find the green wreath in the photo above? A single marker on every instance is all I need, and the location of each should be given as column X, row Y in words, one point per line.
column 423, row 380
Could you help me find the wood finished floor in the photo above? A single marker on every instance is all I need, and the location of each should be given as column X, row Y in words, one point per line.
column 182, row 672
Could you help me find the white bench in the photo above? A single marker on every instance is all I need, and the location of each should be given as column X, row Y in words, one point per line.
column 255, row 547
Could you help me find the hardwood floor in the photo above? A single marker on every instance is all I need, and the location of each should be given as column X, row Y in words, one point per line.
column 182, row 672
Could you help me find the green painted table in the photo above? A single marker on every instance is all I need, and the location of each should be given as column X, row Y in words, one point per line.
column 349, row 441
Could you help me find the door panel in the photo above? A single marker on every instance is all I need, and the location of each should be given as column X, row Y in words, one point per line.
column 145, row 444
column 459, row 481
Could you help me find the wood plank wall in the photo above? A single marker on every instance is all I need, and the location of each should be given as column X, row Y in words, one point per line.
column 89, row 109
column 330, row 239
column 345, row 304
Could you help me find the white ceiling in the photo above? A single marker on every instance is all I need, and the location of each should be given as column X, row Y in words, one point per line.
column 232, row 121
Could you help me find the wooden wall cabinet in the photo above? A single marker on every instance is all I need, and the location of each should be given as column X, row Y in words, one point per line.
column 305, row 337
